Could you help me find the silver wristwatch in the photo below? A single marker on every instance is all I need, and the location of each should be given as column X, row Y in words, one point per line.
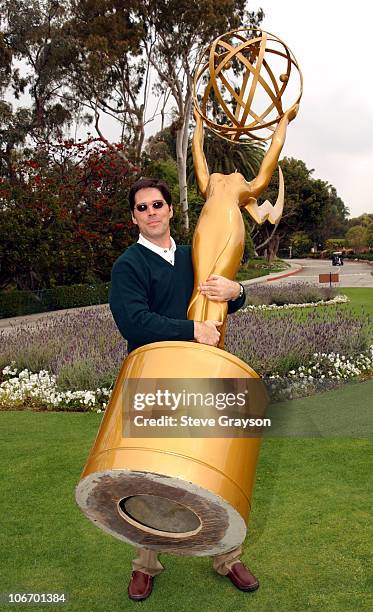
column 242, row 291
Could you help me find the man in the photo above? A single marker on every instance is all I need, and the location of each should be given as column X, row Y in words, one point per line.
column 152, row 283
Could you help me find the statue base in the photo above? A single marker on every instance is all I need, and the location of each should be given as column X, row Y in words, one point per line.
column 185, row 496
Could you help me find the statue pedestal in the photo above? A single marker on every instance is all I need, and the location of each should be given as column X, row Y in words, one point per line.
column 185, row 496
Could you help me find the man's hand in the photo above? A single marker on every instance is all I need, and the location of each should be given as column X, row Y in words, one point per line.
column 205, row 332
column 220, row 289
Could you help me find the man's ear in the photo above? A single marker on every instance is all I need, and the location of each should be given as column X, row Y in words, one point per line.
column 133, row 219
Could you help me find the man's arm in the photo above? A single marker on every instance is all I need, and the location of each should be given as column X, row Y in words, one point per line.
column 220, row 289
column 129, row 304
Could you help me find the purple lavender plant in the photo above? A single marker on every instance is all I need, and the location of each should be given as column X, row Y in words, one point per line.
column 85, row 350
column 280, row 294
column 279, row 342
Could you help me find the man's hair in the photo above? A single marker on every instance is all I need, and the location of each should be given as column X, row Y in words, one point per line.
column 145, row 183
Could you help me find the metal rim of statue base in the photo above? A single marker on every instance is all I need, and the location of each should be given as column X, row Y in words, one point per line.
column 221, row 527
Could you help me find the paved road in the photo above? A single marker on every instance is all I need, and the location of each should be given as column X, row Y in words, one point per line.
column 351, row 274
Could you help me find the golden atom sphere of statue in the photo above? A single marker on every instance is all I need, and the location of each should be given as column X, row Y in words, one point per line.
column 245, row 80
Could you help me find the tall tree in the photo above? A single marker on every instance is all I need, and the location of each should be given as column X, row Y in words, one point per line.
column 176, row 32
column 225, row 157
column 71, row 55
column 41, row 59
column 311, row 206
column 365, row 220
column 370, row 235
column 37, row 61
column 357, row 237
column 111, row 74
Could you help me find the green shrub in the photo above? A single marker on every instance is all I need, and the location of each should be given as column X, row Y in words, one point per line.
column 363, row 256
column 76, row 295
column 335, row 244
column 18, row 303
column 249, row 251
column 301, row 244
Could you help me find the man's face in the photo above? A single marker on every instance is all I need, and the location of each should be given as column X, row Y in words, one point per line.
column 154, row 223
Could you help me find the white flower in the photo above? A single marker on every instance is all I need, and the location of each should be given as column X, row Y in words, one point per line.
column 41, row 388
column 9, row 371
column 338, row 299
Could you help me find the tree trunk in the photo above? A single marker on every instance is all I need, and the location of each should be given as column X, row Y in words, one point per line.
column 181, row 173
column 273, row 246
column 140, row 136
column 181, row 157
column 267, row 240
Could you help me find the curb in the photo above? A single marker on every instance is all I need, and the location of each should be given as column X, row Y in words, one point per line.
column 364, row 261
column 299, row 268
column 295, row 268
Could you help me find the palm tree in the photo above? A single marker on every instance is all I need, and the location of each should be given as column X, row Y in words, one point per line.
column 225, row 157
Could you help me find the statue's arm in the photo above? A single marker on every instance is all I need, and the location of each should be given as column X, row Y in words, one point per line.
column 199, row 160
column 270, row 161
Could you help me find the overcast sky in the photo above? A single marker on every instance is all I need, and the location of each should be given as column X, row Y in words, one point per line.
column 333, row 131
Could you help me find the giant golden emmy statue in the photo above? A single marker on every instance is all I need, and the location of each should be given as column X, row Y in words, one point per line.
column 191, row 496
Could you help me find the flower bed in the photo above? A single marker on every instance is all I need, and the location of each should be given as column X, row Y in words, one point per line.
column 27, row 389
column 286, row 294
column 323, row 371
column 276, row 344
column 71, row 361
column 83, row 349
column 338, row 299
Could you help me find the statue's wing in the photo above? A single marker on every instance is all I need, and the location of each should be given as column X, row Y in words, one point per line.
column 267, row 211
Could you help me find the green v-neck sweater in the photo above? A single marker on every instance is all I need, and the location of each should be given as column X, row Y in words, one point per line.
column 149, row 297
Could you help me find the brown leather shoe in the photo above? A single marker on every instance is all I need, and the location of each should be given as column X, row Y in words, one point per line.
column 242, row 578
column 140, row 586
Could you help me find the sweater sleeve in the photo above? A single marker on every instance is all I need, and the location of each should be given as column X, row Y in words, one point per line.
column 234, row 305
column 129, row 304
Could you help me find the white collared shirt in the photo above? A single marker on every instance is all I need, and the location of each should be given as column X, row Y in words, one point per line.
column 167, row 254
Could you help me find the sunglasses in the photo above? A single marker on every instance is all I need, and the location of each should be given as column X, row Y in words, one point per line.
column 157, row 204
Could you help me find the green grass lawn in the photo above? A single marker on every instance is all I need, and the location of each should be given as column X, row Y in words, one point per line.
column 360, row 298
column 308, row 539
column 360, row 301
column 254, row 268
